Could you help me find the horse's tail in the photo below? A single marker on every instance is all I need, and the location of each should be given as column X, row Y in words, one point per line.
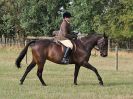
column 22, row 54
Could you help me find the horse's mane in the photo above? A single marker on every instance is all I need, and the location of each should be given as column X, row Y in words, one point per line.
column 89, row 35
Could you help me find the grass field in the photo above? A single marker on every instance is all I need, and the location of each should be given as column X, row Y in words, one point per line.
column 59, row 78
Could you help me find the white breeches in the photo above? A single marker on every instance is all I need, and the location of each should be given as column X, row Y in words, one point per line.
column 67, row 43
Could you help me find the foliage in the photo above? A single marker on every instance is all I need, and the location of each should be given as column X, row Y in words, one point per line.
column 32, row 17
column 117, row 19
column 41, row 17
column 84, row 12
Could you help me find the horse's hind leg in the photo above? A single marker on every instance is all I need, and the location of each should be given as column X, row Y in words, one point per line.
column 89, row 66
column 40, row 71
column 29, row 68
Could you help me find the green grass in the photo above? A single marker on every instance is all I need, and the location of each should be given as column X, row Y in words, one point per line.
column 59, row 78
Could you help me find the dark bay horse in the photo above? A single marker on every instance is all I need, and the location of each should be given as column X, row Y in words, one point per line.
column 46, row 49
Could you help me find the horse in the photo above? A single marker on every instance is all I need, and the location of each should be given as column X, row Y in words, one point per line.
column 47, row 49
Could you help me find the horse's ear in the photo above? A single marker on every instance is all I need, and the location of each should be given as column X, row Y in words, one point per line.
column 104, row 35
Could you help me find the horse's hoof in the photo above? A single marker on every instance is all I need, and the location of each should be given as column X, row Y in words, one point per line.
column 75, row 84
column 44, row 85
column 20, row 83
column 101, row 83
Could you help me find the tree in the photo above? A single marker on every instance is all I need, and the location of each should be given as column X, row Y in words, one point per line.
column 117, row 19
column 32, row 17
column 84, row 12
column 41, row 17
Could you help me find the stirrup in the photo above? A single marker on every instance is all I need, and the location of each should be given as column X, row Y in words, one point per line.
column 65, row 61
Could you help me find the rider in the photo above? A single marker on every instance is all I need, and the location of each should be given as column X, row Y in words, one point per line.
column 65, row 36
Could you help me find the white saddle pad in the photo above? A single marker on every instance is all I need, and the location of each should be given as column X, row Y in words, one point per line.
column 67, row 43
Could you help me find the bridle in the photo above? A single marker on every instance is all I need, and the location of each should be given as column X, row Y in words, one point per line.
column 100, row 44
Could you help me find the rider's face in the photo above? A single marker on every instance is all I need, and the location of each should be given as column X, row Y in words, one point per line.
column 68, row 19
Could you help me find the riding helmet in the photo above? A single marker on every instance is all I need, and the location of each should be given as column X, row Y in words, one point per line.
column 67, row 15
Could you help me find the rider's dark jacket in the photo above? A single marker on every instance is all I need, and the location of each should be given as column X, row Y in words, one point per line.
column 65, row 31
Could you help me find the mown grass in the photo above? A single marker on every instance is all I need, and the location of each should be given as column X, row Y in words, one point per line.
column 59, row 78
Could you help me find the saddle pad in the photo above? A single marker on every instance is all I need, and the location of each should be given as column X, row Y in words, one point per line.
column 67, row 43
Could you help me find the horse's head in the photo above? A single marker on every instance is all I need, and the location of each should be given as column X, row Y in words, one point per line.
column 102, row 44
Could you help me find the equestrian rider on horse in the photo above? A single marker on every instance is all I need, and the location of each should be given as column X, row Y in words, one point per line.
column 65, row 35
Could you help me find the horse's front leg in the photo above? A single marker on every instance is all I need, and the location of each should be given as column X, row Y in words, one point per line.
column 89, row 66
column 77, row 67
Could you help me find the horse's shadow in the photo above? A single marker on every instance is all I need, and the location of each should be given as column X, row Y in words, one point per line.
column 118, row 83
column 107, row 84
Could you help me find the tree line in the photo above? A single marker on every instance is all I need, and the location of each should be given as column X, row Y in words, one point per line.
column 24, row 18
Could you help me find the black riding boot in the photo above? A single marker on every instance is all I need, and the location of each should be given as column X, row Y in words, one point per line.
column 67, row 52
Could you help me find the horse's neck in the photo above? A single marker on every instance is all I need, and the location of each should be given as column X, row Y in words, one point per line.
column 88, row 42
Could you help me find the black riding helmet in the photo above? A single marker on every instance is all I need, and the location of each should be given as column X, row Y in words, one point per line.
column 67, row 15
